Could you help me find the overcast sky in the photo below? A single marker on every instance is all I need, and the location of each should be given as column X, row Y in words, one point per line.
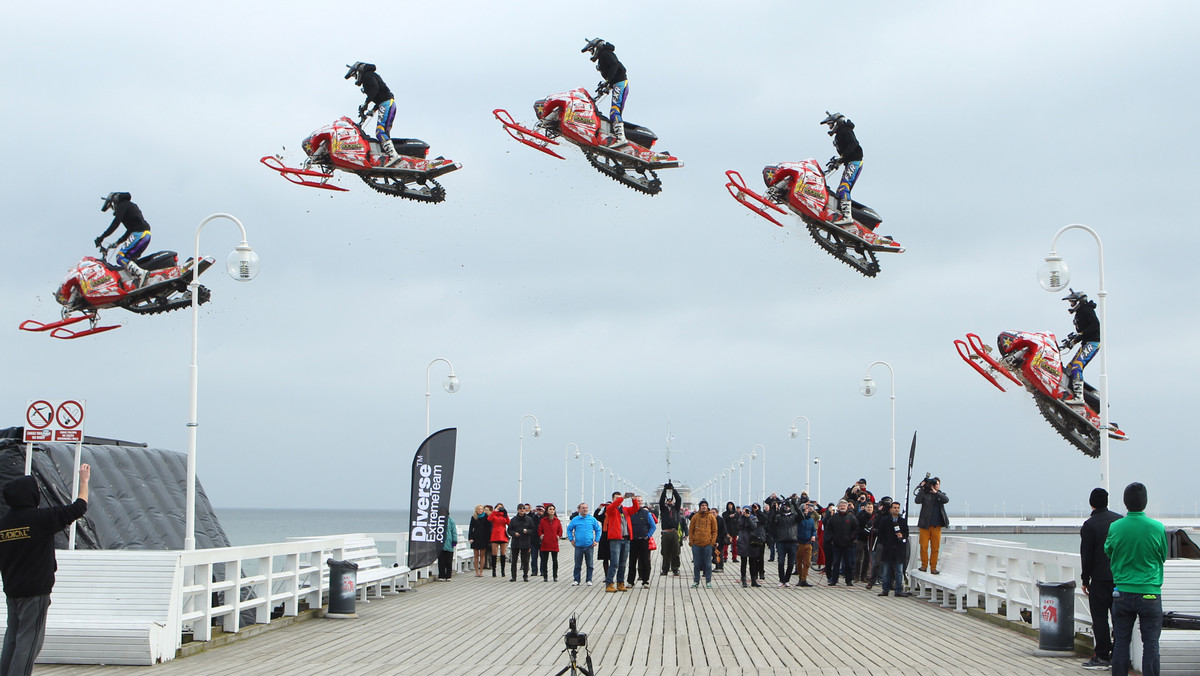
column 606, row 313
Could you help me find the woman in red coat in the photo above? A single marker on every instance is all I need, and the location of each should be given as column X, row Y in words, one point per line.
column 550, row 529
column 499, row 518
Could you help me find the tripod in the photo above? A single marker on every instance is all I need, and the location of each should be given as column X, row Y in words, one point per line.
column 574, row 667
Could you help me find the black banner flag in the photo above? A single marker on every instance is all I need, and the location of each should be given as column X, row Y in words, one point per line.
column 432, row 476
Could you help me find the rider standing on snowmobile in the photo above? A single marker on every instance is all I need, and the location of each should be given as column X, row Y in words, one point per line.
column 615, row 81
column 1087, row 334
column 850, row 155
column 136, row 237
column 385, row 105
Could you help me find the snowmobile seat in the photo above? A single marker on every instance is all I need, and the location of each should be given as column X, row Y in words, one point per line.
column 636, row 133
column 865, row 214
column 158, row 260
column 411, row 147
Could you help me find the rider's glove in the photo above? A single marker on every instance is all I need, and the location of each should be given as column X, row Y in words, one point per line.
column 362, row 110
column 833, row 163
column 98, row 241
column 1070, row 340
column 602, row 88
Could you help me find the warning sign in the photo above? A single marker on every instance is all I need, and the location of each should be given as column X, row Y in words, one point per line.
column 47, row 420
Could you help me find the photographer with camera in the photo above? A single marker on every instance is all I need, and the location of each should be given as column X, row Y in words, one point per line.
column 933, row 518
column 668, row 514
column 892, row 531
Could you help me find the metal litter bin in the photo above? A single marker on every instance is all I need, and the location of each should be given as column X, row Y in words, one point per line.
column 343, row 579
column 1056, row 630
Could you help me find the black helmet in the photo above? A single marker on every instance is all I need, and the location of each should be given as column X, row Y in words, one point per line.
column 834, row 120
column 593, row 46
column 111, row 199
column 357, row 70
column 1075, row 298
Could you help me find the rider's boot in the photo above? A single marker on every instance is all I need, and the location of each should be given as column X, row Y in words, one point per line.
column 138, row 274
column 1072, row 394
column 389, row 151
column 845, row 217
column 618, row 138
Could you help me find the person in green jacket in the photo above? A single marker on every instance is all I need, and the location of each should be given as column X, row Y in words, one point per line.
column 1136, row 547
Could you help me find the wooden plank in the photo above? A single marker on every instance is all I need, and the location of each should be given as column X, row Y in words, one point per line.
column 490, row 625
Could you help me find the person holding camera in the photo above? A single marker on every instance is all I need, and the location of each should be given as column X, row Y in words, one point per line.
column 783, row 522
column 862, row 546
column 806, row 539
column 668, row 514
column 750, row 541
column 619, row 529
column 933, row 518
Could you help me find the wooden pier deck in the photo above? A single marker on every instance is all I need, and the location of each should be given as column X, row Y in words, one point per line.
column 492, row 626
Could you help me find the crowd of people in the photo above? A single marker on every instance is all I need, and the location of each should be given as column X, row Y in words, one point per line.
column 856, row 539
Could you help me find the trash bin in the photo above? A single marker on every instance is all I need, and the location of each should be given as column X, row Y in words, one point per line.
column 343, row 578
column 1057, row 603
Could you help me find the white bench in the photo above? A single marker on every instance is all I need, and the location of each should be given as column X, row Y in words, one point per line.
column 372, row 574
column 464, row 556
column 949, row 587
column 112, row 607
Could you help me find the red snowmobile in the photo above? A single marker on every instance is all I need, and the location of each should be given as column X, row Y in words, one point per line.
column 574, row 116
column 344, row 146
column 801, row 187
column 1033, row 361
column 95, row 284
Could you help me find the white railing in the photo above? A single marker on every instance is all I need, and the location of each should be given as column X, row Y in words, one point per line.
column 254, row 578
column 1008, row 574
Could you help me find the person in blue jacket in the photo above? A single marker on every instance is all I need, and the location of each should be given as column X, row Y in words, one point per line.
column 584, row 533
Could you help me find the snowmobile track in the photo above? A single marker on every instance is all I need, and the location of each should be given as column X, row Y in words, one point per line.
column 864, row 262
column 160, row 307
column 395, row 188
column 1081, row 434
column 618, row 173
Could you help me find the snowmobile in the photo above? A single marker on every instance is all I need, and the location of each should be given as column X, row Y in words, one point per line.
column 343, row 145
column 95, row 284
column 574, row 116
column 801, row 187
column 1034, row 361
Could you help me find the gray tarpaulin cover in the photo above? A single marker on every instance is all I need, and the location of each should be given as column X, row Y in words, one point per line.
column 137, row 496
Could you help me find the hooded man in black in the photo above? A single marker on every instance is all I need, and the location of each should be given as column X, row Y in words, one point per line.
column 1097, row 577
column 615, row 80
column 27, row 565
column 385, row 105
column 136, row 237
column 668, row 514
column 1087, row 335
column 850, row 156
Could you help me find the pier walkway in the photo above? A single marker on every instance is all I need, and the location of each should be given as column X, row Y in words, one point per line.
column 491, row 626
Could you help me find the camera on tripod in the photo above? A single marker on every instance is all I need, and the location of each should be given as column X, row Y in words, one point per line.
column 573, row 638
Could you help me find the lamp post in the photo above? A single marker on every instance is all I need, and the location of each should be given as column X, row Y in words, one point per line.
column 1054, row 275
column 794, row 432
column 868, row 389
column 242, row 265
column 451, row 386
column 566, row 457
column 721, row 494
column 762, row 494
column 749, row 477
column 592, row 464
column 817, row 462
column 537, row 432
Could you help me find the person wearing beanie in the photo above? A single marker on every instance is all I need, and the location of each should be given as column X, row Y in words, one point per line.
column 27, row 564
column 1096, row 576
column 1136, row 548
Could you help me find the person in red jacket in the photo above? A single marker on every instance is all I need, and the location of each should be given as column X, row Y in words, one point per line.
column 499, row 518
column 550, row 530
column 618, row 529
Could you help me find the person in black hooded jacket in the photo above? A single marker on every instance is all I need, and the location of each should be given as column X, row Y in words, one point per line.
column 1096, row 575
column 136, row 237
column 616, row 81
column 850, row 156
column 377, row 93
column 27, row 565
column 523, row 531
